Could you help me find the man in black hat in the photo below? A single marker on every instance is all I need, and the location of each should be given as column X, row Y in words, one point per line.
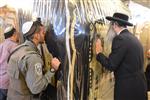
column 125, row 60
column 147, row 72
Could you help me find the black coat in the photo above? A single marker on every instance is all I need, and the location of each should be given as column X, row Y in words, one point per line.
column 126, row 60
column 147, row 74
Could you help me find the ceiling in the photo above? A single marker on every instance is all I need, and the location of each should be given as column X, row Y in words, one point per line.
column 145, row 3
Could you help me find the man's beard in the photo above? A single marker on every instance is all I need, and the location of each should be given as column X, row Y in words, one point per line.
column 110, row 34
column 41, row 42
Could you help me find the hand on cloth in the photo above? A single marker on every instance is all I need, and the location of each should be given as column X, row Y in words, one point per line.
column 148, row 54
column 55, row 63
column 98, row 46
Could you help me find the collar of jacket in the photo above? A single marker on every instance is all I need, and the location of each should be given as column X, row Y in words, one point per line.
column 32, row 45
column 124, row 31
column 121, row 31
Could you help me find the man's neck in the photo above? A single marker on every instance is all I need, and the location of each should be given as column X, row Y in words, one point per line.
column 35, row 42
column 13, row 39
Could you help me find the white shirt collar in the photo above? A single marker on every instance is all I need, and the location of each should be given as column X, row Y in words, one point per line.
column 121, row 31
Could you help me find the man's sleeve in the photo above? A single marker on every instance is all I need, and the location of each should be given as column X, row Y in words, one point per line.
column 116, row 56
column 34, row 77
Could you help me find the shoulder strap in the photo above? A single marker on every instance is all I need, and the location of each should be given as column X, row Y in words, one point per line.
column 16, row 49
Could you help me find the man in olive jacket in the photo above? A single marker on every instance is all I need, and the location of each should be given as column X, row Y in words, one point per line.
column 27, row 78
column 126, row 60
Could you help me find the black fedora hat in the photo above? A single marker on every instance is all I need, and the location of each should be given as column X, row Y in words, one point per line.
column 119, row 17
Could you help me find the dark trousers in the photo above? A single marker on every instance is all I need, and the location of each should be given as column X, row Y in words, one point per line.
column 3, row 94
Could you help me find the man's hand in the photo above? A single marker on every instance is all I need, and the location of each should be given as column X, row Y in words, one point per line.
column 55, row 63
column 98, row 46
column 148, row 54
